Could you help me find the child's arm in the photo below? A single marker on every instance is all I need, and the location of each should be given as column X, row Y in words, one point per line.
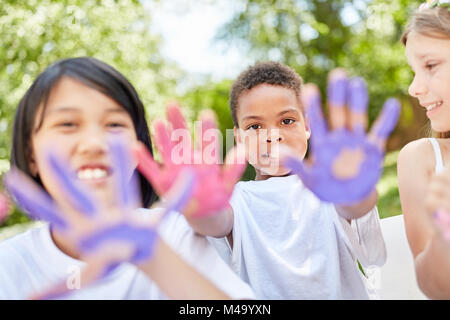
column 359, row 209
column 166, row 269
column 106, row 237
column 431, row 255
column 218, row 225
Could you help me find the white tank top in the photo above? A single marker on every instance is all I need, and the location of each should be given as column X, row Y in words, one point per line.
column 437, row 155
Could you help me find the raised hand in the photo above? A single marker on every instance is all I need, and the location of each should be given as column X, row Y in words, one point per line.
column 441, row 221
column 346, row 163
column 214, row 184
column 104, row 238
column 437, row 202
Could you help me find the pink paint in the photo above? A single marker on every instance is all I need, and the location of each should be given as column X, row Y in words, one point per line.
column 214, row 183
column 4, row 207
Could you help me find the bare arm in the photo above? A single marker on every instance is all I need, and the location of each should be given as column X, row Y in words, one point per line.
column 415, row 169
column 217, row 225
column 177, row 279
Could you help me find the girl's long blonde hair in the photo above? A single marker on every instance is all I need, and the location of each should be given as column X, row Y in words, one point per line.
column 434, row 22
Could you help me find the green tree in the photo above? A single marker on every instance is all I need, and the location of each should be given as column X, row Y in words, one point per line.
column 316, row 36
column 36, row 33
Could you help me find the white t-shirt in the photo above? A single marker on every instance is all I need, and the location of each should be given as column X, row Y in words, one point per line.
column 31, row 262
column 287, row 244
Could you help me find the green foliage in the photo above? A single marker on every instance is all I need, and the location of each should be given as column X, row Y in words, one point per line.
column 314, row 37
column 311, row 36
column 389, row 199
column 36, row 33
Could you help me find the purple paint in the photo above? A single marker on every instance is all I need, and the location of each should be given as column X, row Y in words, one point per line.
column 388, row 119
column 142, row 238
column 320, row 179
column 337, row 91
column 78, row 198
column 327, row 146
column 317, row 123
column 358, row 95
column 127, row 189
column 32, row 199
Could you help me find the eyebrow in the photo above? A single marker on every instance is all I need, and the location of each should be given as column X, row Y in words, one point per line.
column 251, row 117
column 61, row 109
column 290, row 109
column 425, row 55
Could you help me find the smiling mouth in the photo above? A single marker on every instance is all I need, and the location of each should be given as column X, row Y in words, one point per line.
column 88, row 174
column 433, row 106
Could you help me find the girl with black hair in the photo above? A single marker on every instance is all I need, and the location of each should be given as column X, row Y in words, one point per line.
column 74, row 107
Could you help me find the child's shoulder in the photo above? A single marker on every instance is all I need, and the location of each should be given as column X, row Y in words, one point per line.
column 418, row 154
column 421, row 148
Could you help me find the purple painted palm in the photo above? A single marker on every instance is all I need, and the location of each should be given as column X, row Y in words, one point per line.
column 139, row 236
column 324, row 173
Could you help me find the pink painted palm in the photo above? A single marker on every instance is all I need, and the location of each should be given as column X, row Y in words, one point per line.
column 4, row 207
column 214, row 182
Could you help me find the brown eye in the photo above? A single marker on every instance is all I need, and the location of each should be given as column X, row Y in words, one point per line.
column 115, row 125
column 66, row 124
column 430, row 66
column 254, row 127
column 288, row 121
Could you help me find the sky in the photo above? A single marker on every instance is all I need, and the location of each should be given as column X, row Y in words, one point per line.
column 188, row 29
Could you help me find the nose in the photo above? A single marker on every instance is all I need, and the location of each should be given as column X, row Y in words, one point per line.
column 273, row 135
column 92, row 142
column 417, row 87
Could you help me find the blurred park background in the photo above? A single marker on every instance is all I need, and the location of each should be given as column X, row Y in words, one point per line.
column 154, row 44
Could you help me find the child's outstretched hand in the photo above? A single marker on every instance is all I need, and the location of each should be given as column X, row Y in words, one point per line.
column 214, row 184
column 345, row 163
column 104, row 238
column 437, row 201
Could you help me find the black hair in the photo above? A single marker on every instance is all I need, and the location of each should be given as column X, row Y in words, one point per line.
column 268, row 72
column 94, row 74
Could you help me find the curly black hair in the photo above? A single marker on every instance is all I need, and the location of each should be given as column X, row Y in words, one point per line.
column 267, row 72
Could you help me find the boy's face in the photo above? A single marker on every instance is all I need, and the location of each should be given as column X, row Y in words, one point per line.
column 269, row 116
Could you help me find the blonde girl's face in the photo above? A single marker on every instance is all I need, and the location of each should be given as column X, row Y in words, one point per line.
column 429, row 58
column 77, row 123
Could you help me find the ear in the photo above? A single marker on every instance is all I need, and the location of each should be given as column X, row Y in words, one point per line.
column 307, row 129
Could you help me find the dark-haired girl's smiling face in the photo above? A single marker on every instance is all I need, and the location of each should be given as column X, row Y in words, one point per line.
column 77, row 122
